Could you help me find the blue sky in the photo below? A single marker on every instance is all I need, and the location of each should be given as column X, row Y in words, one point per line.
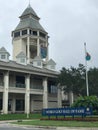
column 69, row 24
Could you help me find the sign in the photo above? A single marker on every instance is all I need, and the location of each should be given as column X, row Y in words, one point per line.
column 67, row 111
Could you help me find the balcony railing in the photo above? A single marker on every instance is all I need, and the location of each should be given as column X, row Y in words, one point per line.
column 1, row 84
column 36, row 87
column 19, row 85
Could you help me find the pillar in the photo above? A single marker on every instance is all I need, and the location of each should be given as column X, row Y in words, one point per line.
column 32, row 105
column 71, row 98
column 5, row 93
column 59, row 98
column 45, row 93
column 13, row 105
column 28, row 49
column 47, row 44
column 38, row 45
column 27, row 94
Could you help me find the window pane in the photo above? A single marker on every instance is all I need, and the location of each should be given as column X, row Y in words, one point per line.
column 39, row 63
column 3, row 56
column 35, row 33
column 16, row 34
column 42, row 35
column 52, row 67
column 24, row 32
column 0, row 104
column 20, row 81
column 22, row 60
column 19, row 105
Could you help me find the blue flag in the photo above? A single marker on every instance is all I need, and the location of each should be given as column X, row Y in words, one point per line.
column 88, row 57
column 43, row 52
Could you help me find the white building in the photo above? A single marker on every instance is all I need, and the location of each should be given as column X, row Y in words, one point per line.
column 27, row 83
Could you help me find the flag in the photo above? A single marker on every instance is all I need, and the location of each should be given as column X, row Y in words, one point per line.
column 43, row 52
column 88, row 57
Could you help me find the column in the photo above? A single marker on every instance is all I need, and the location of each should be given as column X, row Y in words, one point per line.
column 47, row 44
column 5, row 93
column 45, row 93
column 27, row 94
column 28, row 49
column 13, row 105
column 32, row 105
column 59, row 98
column 38, row 45
column 71, row 98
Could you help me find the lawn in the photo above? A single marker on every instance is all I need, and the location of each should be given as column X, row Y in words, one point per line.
column 19, row 116
column 35, row 120
column 59, row 123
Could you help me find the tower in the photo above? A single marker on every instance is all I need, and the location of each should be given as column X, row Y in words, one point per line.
column 30, row 37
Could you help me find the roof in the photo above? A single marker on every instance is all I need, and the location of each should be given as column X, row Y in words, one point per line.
column 29, row 10
column 21, row 54
column 29, row 68
column 51, row 62
column 3, row 50
column 29, row 23
column 29, row 19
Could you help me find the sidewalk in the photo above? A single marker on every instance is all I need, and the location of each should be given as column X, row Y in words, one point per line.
column 47, row 127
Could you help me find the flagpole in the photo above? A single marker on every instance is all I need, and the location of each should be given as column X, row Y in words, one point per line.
column 87, row 88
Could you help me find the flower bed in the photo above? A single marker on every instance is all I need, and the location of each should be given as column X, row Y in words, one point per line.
column 72, row 119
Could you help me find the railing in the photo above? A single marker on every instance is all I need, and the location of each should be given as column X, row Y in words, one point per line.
column 36, row 91
column 1, row 84
column 36, row 87
column 21, row 88
column 19, row 85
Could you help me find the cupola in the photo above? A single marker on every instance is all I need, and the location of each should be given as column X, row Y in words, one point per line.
column 4, row 55
column 37, row 62
column 21, row 58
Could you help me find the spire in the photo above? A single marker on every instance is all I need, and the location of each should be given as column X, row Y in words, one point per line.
column 29, row 19
column 29, row 4
column 29, row 11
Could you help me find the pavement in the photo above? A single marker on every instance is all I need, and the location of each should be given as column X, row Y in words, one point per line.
column 47, row 127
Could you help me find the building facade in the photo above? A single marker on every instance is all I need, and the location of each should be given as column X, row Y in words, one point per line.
column 27, row 83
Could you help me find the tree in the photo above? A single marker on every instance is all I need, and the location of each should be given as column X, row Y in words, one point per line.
column 73, row 79
column 93, row 81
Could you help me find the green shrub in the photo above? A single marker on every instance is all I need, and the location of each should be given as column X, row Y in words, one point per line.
column 87, row 101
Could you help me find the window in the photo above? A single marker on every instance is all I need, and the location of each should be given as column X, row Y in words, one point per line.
column 9, row 104
column 35, row 33
column 22, row 60
column 1, row 79
column 38, row 63
column 20, row 82
column 3, row 56
column 52, row 67
column 16, row 34
column 30, row 31
column 24, row 32
column 20, row 105
column 0, row 104
column 53, row 89
column 42, row 35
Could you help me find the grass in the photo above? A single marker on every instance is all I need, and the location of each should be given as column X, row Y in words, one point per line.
column 59, row 123
column 19, row 116
column 35, row 120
